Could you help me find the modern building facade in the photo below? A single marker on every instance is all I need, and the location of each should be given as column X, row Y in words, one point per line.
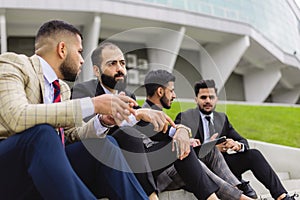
column 250, row 47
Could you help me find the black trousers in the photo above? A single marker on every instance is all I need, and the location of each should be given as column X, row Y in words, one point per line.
column 159, row 157
column 253, row 160
column 132, row 148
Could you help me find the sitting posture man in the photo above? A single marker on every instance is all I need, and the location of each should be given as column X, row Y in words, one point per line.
column 109, row 65
column 110, row 70
column 36, row 114
column 243, row 158
column 160, row 93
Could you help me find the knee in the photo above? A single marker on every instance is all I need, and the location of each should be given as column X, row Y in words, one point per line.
column 112, row 140
column 42, row 132
column 254, row 154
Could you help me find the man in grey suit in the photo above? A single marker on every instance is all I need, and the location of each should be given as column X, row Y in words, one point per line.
column 236, row 151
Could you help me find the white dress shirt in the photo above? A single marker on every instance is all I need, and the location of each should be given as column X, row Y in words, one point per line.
column 86, row 104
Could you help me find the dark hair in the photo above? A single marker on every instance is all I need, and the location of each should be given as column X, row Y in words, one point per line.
column 204, row 84
column 97, row 53
column 56, row 26
column 156, row 79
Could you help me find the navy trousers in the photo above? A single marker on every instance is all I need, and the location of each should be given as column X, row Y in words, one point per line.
column 35, row 165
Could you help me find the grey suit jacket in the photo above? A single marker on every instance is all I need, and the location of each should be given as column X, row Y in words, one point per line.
column 21, row 100
column 191, row 118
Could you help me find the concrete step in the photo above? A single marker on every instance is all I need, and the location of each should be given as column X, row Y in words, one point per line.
column 282, row 175
column 268, row 196
column 176, row 195
column 292, row 185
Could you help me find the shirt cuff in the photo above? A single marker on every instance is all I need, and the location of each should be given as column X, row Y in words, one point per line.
column 100, row 130
column 242, row 147
column 132, row 121
column 87, row 107
column 172, row 131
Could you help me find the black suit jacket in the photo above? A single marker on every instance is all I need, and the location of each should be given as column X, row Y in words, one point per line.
column 91, row 89
column 191, row 118
column 148, row 128
column 84, row 89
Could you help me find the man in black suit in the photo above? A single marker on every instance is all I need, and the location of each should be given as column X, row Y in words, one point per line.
column 235, row 150
column 109, row 66
column 110, row 70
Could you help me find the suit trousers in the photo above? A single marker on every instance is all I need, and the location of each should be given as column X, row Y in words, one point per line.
column 161, row 157
column 215, row 161
column 34, row 165
column 253, row 160
column 226, row 191
column 133, row 150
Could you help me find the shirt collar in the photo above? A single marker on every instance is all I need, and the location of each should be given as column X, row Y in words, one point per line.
column 203, row 115
column 106, row 90
column 152, row 105
column 48, row 72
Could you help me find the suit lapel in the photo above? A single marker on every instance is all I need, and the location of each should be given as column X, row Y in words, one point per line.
column 218, row 123
column 197, row 118
column 38, row 68
column 99, row 89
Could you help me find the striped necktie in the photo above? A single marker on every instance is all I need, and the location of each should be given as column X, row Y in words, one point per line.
column 57, row 99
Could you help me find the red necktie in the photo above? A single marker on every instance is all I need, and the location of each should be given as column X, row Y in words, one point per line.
column 56, row 99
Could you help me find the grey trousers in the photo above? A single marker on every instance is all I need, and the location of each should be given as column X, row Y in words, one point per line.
column 215, row 161
column 216, row 168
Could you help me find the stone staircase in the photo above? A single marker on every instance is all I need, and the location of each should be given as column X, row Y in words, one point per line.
column 292, row 185
column 284, row 160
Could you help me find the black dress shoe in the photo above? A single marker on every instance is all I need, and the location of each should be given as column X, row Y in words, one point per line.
column 288, row 197
column 247, row 189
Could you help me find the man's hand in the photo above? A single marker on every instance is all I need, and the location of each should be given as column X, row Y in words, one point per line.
column 195, row 142
column 118, row 106
column 107, row 121
column 159, row 119
column 182, row 140
column 229, row 144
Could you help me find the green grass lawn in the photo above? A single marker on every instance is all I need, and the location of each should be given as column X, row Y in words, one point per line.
column 273, row 124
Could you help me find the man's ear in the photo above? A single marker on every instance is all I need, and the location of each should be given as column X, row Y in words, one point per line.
column 96, row 70
column 160, row 91
column 62, row 50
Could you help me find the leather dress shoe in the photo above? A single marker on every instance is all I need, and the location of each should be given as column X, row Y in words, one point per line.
column 247, row 189
column 288, row 197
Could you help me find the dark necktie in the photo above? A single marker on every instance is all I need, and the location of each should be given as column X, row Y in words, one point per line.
column 211, row 127
column 57, row 99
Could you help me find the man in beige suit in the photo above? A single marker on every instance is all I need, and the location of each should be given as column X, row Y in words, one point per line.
column 34, row 164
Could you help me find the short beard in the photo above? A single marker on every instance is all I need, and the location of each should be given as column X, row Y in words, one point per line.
column 163, row 100
column 67, row 71
column 112, row 83
column 205, row 112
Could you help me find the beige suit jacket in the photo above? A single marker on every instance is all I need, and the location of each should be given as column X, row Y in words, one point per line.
column 21, row 100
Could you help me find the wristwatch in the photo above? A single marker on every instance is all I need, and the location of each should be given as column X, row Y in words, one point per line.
column 103, row 124
column 186, row 128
